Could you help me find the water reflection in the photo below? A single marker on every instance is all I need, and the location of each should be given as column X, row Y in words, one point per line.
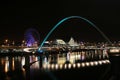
column 11, row 67
column 21, row 67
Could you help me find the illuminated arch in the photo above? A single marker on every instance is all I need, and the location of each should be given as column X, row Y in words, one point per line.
column 70, row 17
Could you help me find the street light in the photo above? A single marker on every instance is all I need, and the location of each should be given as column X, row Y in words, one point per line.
column 6, row 42
column 13, row 43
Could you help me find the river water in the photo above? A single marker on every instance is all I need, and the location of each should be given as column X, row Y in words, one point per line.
column 27, row 67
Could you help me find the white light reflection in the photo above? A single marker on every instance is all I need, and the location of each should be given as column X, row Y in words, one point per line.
column 100, row 62
column 23, row 61
column 74, row 65
column 92, row 63
column 96, row 63
column 87, row 64
column 83, row 64
column 107, row 61
column 56, row 66
column 45, row 61
column 104, row 61
column 65, row 66
column 78, row 65
column 69, row 66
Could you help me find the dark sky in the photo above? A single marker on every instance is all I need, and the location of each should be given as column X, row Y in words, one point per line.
column 18, row 16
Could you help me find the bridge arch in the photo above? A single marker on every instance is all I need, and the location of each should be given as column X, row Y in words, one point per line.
column 70, row 17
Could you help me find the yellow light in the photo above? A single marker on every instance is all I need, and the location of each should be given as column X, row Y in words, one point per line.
column 52, row 66
column 61, row 66
column 13, row 64
column 74, row 65
column 114, row 50
column 44, row 66
column 48, row 66
column 6, row 66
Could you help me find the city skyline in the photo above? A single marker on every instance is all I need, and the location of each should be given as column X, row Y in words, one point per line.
column 17, row 17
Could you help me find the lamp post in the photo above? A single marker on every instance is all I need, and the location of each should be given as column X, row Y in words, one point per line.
column 13, row 43
column 23, row 43
column 6, row 42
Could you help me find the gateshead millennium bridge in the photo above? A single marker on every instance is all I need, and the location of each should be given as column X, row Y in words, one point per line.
column 61, row 62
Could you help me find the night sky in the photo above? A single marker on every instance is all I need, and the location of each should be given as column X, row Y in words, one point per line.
column 18, row 16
